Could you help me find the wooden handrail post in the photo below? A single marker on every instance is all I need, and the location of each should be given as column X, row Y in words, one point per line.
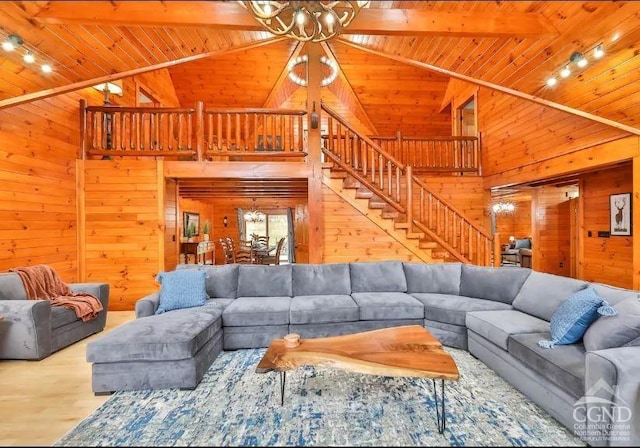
column 83, row 129
column 399, row 153
column 409, row 176
column 497, row 250
column 199, row 130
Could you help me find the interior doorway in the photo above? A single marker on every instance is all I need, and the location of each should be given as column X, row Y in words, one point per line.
column 466, row 119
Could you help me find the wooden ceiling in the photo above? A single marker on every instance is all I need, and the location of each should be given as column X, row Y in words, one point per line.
column 230, row 61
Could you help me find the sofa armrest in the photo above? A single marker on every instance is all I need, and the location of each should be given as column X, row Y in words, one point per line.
column 101, row 291
column 25, row 331
column 148, row 305
column 612, row 396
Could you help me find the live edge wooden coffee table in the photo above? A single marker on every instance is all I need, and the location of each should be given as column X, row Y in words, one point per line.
column 409, row 351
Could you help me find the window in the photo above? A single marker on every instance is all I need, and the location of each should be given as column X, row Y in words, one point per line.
column 275, row 226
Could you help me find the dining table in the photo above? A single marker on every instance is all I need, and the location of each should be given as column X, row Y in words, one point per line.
column 260, row 252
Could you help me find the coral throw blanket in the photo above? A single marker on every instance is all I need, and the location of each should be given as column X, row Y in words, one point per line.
column 41, row 282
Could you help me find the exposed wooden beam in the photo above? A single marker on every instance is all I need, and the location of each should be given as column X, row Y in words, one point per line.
column 411, row 22
column 136, row 71
column 266, row 170
column 281, row 91
column 574, row 162
column 346, row 85
column 231, row 15
column 497, row 87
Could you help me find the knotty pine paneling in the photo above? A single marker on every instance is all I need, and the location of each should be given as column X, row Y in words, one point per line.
column 606, row 260
column 551, row 230
column 171, row 225
column 206, row 211
column 123, row 237
column 516, row 224
column 350, row 236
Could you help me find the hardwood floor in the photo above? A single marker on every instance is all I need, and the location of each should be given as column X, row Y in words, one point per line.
column 40, row 401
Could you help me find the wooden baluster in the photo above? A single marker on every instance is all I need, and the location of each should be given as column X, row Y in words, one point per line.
column 219, row 131
column 228, row 131
column 430, row 211
column 471, row 255
column 421, row 204
column 158, row 131
column 238, row 132
column 170, row 131
column 452, row 229
column 200, row 149
column 150, row 130
column 180, row 129
column 461, row 236
column 121, row 134
column 246, row 138
column 300, row 135
column 330, row 134
column 437, row 217
column 255, row 132
column 409, row 179
column 389, row 178
column 190, row 131
column 398, row 180
column 381, row 172
column 132, row 141
column 356, row 152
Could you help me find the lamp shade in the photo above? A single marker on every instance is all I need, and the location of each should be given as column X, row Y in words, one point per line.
column 114, row 87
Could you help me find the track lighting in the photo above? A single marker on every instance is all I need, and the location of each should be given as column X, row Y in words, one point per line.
column 565, row 72
column 12, row 42
column 551, row 82
column 598, row 52
column 578, row 59
column 29, row 58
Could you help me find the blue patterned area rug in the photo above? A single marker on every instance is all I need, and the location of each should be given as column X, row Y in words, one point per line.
column 234, row 406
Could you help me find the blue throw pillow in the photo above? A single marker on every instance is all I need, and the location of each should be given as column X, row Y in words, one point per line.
column 573, row 317
column 181, row 289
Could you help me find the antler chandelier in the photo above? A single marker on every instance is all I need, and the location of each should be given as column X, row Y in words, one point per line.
column 305, row 21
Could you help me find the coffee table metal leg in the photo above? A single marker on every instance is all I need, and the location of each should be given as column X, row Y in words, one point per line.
column 283, row 378
column 440, row 419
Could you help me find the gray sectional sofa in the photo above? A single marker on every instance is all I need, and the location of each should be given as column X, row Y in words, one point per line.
column 498, row 314
column 33, row 329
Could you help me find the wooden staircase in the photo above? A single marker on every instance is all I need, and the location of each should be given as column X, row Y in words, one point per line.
column 385, row 190
column 379, row 212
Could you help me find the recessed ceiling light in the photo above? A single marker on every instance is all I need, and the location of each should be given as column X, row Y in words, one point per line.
column 46, row 68
column 598, row 52
column 583, row 62
column 565, row 72
column 551, row 82
column 29, row 58
column 615, row 37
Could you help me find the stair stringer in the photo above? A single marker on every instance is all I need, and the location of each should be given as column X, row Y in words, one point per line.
column 374, row 215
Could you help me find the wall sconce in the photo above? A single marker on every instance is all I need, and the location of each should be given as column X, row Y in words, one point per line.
column 314, row 117
column 224, row 221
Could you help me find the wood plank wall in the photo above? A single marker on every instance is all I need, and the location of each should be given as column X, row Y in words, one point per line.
column 517, row 224
column 205, row 209
column 122, row 232
column 38, row 147
column 606, row 260
column 351, row 236
column 171, row 225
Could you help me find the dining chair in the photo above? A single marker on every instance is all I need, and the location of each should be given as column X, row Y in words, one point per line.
column 227, row 251
column 244, row 253
column 275, row 258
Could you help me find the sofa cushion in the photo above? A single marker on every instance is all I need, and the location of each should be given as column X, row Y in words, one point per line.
column 497, row 326
column 612, row 294
column 388, row 305
column 221, row 281
column 318, row 309
column 541, row 294
column 564, row 366
column 498, row 284
column 264, row 281
column 319, row 279
column 574, row 315
column 174, row 335
column 377, row 276
column 11, row 287
column 255, row 311
column 439, row 278
column 621, row 330
column 61, row 316
column 181, row 289
column 452, row 309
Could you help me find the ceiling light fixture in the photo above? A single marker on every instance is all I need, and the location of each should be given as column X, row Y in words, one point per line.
column 598, row 52
column 578, row 59
column 12, row 42
column 565, row 72
column 552, row 82
column 29, row 58
column 503, row 207
column 615, row 37
column 254, row 215
column 314, row 21
column 46, row 68
column 294, row 77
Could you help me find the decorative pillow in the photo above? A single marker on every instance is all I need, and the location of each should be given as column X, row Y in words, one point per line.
column 523, row 244
column 574, row 315
column 181, row 289
column 622, row 330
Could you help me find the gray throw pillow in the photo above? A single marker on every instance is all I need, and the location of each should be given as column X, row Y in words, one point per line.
column 621, row 330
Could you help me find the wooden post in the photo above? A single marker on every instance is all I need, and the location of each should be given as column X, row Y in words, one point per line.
column 409, row 177
column 83, row 130
column 497, row 250
column 399, row 154
column 200, row 130
column 314, row 75
column 635, row 219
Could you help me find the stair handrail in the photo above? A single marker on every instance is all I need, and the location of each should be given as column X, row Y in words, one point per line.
column 363, row 137
column 452, row 207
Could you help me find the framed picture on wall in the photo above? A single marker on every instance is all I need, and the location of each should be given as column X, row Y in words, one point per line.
column 188, row 220
column 620, row 214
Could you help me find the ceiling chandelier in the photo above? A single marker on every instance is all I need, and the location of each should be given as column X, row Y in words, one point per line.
column 294, row 77
column 254, row 215
column 503, row 207
column 305, row 21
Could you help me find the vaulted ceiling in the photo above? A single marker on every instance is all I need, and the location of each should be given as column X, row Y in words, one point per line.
column 217, row 53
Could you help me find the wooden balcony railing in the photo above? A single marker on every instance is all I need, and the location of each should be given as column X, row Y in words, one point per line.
column 192, row 134
column 434, row 154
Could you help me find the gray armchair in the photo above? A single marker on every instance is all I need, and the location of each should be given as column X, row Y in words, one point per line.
column 33, row 329
column 518, row 253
